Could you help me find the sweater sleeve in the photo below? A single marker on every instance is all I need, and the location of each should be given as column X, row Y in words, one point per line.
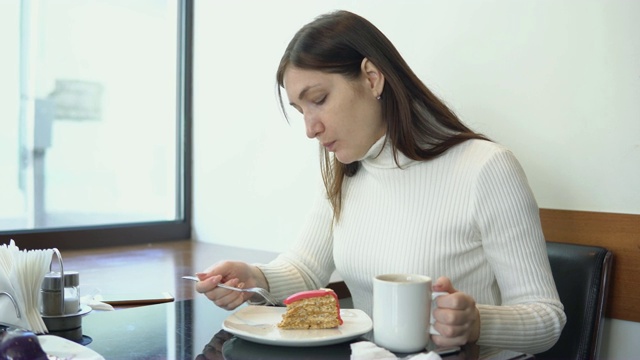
column 308, row 265
column 531, row 316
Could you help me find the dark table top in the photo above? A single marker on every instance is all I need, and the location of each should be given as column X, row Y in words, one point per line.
column 192, row 329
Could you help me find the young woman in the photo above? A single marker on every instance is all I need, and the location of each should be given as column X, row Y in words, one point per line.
column 408, row 188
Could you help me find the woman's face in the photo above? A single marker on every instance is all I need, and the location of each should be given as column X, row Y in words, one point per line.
column 344, row 115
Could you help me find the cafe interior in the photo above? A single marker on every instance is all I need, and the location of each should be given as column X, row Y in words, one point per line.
column 143, row 141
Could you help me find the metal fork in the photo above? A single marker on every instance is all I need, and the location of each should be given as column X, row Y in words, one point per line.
column 270, row 299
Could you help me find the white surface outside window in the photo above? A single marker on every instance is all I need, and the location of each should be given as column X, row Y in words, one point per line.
column 105, row 72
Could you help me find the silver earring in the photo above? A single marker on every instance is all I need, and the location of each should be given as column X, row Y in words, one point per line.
column 378, row 97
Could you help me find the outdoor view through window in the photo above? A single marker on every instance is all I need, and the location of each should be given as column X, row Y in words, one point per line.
column 89, row 113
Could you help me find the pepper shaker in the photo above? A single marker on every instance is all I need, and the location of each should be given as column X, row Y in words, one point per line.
column 59, row 298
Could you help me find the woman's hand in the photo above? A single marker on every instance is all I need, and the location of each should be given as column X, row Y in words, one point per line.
column 232, row 273
column 457, row 317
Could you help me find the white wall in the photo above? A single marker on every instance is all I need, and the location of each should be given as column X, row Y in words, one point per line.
column 556, row 81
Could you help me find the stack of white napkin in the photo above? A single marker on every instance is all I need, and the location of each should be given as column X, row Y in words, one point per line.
column 21, row 274
column 366, row 350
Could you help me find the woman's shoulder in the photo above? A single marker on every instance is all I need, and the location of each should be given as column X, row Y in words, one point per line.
column 477, row 150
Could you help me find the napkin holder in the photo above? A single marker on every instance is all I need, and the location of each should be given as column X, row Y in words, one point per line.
column 60, row 303
column 15, row 305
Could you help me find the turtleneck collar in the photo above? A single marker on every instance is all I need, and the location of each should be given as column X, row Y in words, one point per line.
column 380, row 155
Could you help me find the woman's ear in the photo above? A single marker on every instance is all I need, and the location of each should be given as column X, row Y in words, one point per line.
column 375, row 78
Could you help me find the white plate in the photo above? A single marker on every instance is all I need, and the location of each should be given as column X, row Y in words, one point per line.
column 66, row 349
column 260, row 324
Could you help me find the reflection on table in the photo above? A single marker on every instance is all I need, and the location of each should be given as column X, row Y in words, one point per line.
column 191, row 329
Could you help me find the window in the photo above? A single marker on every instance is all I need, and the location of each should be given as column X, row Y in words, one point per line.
column 95, row 122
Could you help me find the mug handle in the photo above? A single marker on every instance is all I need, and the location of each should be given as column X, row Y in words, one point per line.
column 434, row 296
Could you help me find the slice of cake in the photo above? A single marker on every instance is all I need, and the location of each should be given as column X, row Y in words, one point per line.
column 315, row 309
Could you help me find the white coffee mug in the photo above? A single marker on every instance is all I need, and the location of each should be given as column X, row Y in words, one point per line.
column 402, row 311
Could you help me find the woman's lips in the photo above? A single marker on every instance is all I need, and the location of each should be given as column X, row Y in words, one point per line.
column 329, row 145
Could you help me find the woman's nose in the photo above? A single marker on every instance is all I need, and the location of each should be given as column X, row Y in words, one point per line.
column 313, row 126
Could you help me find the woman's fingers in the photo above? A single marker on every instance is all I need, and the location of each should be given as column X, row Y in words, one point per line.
column 457, row 318
column 225, row 298
column 232, row 273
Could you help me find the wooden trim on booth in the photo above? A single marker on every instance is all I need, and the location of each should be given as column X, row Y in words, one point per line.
column 620, row 233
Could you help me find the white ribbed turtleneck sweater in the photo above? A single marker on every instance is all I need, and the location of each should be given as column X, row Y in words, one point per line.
column 468, row 215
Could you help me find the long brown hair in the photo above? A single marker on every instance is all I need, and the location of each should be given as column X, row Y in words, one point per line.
column 419, row 124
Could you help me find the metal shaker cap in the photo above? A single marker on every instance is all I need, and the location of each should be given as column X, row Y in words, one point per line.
column 71, row 278
column 51, row 280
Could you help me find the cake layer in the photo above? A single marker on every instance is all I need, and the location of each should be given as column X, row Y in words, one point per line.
column 316, row 309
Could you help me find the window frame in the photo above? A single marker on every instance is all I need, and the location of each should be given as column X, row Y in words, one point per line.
column 84, row 237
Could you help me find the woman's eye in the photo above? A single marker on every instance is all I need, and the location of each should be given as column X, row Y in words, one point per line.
column 321, row 100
